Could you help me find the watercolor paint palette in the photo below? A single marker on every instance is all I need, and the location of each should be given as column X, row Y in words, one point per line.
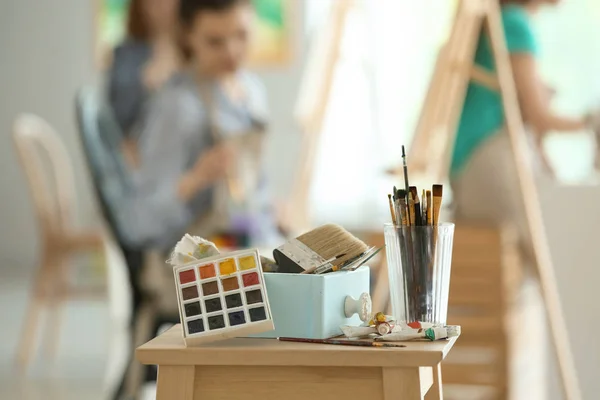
column 223, row 296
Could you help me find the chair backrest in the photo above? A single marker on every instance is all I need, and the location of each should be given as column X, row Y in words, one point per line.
column 101, row 138
column 49, row 172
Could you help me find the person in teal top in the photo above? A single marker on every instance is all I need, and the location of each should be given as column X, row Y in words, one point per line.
column 483, row 172
column 483, row 114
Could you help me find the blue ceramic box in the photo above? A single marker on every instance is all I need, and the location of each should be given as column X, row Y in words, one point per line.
column 313, row 306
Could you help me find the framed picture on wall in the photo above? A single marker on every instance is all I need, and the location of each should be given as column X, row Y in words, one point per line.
column 110, row 23
column 273, row 36
column 271, row 47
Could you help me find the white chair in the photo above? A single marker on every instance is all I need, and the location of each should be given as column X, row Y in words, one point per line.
column 49, row 173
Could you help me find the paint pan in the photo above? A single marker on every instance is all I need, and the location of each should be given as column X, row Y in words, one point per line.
column 223, row 296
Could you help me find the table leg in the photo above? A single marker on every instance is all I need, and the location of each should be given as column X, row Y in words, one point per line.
column 402, row 383
column 435, row 392
column 175, row 382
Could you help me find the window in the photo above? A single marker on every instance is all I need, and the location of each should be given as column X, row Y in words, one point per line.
column 388, row 53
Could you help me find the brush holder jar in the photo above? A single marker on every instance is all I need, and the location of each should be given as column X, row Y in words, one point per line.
column 419, row 260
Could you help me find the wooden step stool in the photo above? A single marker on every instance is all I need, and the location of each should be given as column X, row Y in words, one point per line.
column 486, row 299
column 488, row 296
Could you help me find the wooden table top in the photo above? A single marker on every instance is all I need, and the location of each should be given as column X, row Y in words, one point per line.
column 169, row 349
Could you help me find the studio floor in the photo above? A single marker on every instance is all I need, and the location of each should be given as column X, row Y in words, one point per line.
column 77, row 372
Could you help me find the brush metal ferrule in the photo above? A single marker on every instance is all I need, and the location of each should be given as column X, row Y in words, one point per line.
column 301, row 254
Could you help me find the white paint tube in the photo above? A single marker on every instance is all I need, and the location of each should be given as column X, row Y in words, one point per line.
column 436, row 333
column 385, row 328
column 357, row 331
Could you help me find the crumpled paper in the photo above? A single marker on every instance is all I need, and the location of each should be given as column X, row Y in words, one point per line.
column 192, row 248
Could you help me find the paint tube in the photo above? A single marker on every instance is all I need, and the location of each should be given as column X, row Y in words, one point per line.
column 420, row 325
column 382, row 328
column 357, row 331
column 435, row 333
column 385, row 328
column 381, row 317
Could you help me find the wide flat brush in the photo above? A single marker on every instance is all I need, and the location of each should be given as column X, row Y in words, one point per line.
column 315, row 247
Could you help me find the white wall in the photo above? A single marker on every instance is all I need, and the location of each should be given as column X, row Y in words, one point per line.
column 283, row 85
column 46, row 53
column 46, row 50
column 572, row 219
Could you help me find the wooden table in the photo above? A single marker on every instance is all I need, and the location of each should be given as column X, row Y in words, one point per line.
column 267, row 369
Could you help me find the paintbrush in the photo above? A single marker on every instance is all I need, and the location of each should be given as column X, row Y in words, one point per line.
column 429, row 208
column 419, row 252
column 405, row 237
column 328, row 263
column 394, row 221
column 398, row 212
column 350, row 265
column 353, row 260
column 438, row 191
column 406, row 186
column 418, row 221
column 316, row 247
column 411, row 209
column 342, row 342
column 401, row 198
column 362, row 259
column 424, row 208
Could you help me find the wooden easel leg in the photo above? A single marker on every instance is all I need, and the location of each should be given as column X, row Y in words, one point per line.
column 175, row 382
column 312, row 124
column 531, row 202
column 435, row 391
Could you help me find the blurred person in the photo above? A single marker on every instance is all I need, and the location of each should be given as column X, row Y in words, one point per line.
column 199, row 147
column 200, row 159
column 141, row 65
column 483, row 171
column 484, row 175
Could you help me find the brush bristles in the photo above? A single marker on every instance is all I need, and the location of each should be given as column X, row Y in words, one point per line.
column 331, row 240
column 438, row 190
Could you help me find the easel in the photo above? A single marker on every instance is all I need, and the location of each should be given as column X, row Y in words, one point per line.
column 434, row 140
column 312, row 108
